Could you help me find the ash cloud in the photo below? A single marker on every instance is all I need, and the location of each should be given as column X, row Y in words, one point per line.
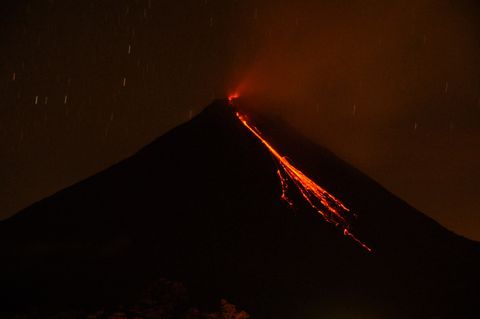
column 387, row 58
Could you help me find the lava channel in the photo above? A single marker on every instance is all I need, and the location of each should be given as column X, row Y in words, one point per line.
column 328, row 206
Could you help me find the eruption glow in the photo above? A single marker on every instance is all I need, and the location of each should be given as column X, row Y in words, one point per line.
column 325, row 204
column 233, row 97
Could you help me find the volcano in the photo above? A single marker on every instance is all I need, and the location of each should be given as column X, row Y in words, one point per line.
column 204, row 204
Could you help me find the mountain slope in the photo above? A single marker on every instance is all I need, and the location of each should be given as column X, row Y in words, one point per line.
column 201, row 204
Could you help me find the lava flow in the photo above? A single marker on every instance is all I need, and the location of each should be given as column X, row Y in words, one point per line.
column 329, row 207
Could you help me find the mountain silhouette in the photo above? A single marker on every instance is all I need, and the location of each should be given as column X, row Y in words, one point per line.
column 201, row 204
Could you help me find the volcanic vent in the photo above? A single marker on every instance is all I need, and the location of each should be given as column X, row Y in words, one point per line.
column 202, row 205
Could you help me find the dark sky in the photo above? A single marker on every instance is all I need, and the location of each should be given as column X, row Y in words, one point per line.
column 393, row 87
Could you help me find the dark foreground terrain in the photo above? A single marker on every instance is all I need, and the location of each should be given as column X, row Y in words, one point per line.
column 201, row 206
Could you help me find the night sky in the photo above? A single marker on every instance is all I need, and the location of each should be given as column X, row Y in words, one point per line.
column 393, row 87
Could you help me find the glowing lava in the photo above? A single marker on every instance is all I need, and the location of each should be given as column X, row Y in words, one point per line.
column 233, row 97
column 325, row 204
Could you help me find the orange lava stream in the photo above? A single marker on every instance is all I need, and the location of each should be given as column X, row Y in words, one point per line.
column 329, row 207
